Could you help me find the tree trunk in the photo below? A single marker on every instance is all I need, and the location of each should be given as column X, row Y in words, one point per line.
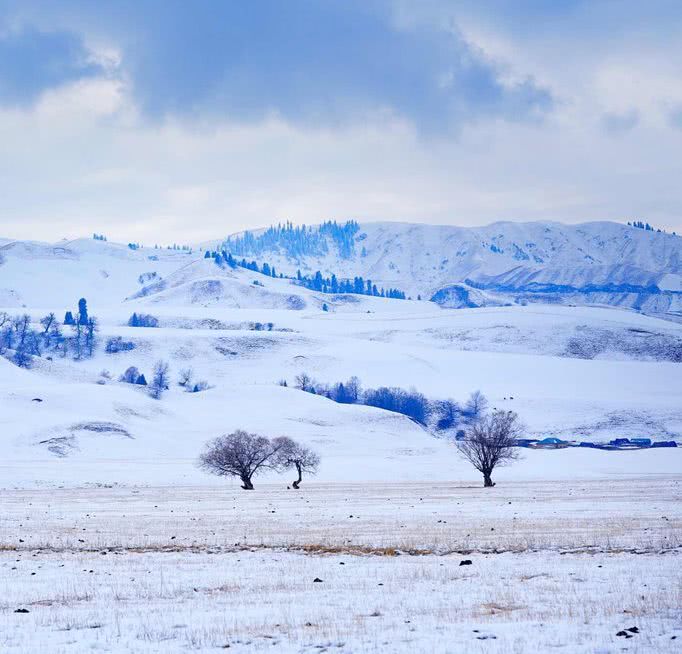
column 246, row 483
column 487, row 480
column 300, row 477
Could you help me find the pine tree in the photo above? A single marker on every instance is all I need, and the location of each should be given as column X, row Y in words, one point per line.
column 82, row 311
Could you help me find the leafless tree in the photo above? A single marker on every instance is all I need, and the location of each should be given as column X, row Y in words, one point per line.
column 476, row 406
column 47, row 322
column 160, row 380
column 294, row 455
column 185, row 378
column 353, row 389
column 77, row 339
column 240, row 454
column 25, row 343
column 6, row 333
column 91, row 329
column 303, row 381
column 490, row 441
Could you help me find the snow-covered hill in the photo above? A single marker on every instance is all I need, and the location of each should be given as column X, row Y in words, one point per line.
column 575, row 372
column 592, row 263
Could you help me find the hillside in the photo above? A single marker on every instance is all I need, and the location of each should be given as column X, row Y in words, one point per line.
column 592, row 263
column 572, row 372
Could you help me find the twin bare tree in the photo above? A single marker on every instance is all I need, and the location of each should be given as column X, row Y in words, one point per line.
column 245, row 455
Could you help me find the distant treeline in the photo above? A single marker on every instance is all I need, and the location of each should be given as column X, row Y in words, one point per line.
column 296, row 241
column 137, row 246
column 441, row 415
column 316, row 282
column 358, row 285
column 647, row 227
column 20, row 341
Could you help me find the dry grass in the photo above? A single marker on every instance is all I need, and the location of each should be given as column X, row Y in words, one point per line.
column 179, row 569
column 268, row 601
column 628, row 516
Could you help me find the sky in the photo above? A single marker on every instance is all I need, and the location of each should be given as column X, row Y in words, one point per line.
column 173, row 121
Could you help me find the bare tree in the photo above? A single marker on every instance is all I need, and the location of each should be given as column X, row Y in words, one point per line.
column 303, row 381
column 185, row 378
column 240, row 454
column 294, row 455
column 490, row 441
column 6, row 333
column 91, row 329
column 353, row 389
column 25, row 341
column 448, row 414
column 47, row 322
column 476, row 406
column 77, row 339
column 160, row 380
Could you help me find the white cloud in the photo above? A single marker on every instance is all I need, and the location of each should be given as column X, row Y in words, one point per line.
column 83, row 160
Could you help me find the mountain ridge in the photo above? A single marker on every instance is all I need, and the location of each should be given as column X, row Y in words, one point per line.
column 597, row 262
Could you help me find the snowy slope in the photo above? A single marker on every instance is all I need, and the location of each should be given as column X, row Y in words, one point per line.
column 40, row 274
column 569, row 371
column 591, row 263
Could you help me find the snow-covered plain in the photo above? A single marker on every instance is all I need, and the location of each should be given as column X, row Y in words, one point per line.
column 554, row 565
column 103, row 467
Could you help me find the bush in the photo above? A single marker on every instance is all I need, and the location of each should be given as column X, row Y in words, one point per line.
column 143, row 320
column 133, row 376
column 185, row 378
column 448, row 414
column 117, row 344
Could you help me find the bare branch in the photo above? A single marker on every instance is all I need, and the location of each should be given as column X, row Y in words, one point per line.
column 291, row 454
column 239, row 454
column 490, row 442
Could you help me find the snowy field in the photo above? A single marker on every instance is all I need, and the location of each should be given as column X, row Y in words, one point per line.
column 553, row 566
column 269, row 601
column 113, row 540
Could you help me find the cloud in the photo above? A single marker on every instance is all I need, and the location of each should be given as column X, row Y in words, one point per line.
column 205, row 118
column 617, row 123
column 33, row 61
column 675, row 117
column 117, row 174
column 323, row 63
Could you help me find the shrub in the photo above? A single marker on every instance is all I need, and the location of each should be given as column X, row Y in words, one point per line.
column 143, row 320
column 185, row 378
column 117, row 344
column 198, row 387
column 130, row 376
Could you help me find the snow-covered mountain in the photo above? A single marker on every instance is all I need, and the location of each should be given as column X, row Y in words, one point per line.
column 591, row 263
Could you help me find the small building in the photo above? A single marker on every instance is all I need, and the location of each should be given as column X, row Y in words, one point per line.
column 549, row 444
column 641, row 442
column 525, row 442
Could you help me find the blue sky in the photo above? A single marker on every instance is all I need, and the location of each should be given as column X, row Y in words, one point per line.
column 193, row 120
